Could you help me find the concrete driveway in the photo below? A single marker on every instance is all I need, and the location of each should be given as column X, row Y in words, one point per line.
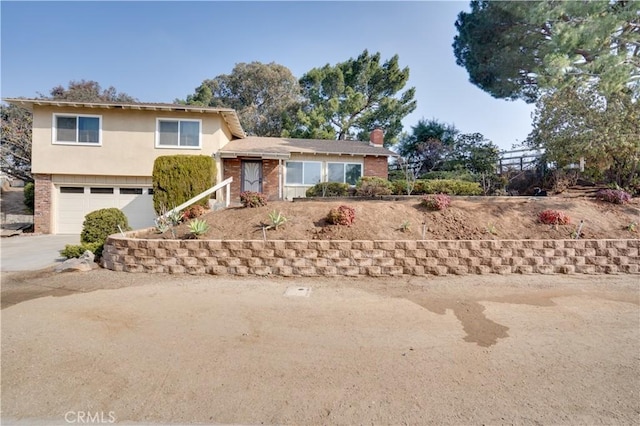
column 33, row 252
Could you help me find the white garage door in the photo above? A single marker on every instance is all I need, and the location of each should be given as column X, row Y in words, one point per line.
column 74, row 202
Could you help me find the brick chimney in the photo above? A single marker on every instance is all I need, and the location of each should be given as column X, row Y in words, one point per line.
column 377, row 137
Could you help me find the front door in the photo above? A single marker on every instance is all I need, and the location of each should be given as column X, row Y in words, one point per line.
column 252, row 176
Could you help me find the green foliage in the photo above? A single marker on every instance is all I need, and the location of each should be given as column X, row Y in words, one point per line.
column 89, row 91
column 262, row 95
column 342, row 215
column 29, row 196
column 198, row 227
column 277, row 219
column 328, row 189
column 99, row 224
column 569, row 124
column 178, row 178
column 75, row 251
column 253, row 199
column 373, row 186
column 15, row 141
column 436, row 202
column 405, row 226
column 351, row 98
column 438, row 186
column 428, row 144
column 549, row 45
column 450, row 175
column 449, row 186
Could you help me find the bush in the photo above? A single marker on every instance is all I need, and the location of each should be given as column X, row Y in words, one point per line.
column 99, row 224
column 75, row 251
column 436, row 202
column 616, row 196
column 328, row 189
column 178, row 178
column 449, row 186
column 252, row 199
column 29, row 196
column 373, row 186
column 448, row 175
column 343, row 215
column 554, row 217
column 193, row 212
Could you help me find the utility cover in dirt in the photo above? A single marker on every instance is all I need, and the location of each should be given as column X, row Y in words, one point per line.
column 298, row 292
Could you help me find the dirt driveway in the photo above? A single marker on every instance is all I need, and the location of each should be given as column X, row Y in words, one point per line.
column 447, row 350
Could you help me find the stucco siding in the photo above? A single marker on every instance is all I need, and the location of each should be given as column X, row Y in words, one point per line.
column 128, row 142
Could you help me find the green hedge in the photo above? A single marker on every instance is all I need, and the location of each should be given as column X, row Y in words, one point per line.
column 29, row 194
column 328, row 189
column 178, row 178
column 438, row 186
column 97, row 226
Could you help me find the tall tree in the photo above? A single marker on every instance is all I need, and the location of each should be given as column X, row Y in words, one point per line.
column 351, row 98
column 515, row 49
column 262, row 94
column 428, row 145
column 88, row 91
column 573, row 123
column 474, row 153
column 15, row 142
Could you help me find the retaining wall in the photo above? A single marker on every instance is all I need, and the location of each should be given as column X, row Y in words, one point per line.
column 372, row 258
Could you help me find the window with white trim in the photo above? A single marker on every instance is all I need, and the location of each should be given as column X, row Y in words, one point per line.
column 344, row 172
column 177, row 133
column 303, row 172
column 77, row 129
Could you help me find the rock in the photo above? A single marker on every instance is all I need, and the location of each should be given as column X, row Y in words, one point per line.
column 88, row 256
column 74, row 265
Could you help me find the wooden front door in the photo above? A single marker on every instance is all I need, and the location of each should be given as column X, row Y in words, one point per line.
column 252, row 176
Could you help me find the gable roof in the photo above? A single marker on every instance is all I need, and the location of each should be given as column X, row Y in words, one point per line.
column 271, row 147
column 228, row 115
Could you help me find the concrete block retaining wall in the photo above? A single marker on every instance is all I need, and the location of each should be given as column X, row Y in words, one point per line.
column 370, row 258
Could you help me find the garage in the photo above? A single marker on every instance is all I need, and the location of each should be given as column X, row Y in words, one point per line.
column 74, row 202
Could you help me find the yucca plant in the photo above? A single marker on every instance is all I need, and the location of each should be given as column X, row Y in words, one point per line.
column 277, row 219
column 198, row 227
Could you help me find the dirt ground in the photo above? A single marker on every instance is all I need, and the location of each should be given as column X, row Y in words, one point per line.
column 454, row 350
column 468, row 218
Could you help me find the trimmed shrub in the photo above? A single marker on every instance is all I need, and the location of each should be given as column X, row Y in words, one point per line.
column 553, row 217
column 449, row 186
column 193, row 212
column 616, row 196
column 373, row 186
column 75, row 251
column 328, row 189
column 252, row 199
column 343, row 215
column 30, row 196
column 448, row 175
column 178, row 178
column 436, row 202
column 99, row 224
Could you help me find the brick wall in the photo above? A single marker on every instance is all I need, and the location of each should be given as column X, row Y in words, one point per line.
column 376, row 166
column 370, row 258
column 42, row 205
column 233, row 168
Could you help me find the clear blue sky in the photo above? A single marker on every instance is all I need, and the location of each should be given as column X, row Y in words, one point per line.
column 160, row 51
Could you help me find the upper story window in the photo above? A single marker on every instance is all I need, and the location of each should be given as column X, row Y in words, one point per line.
column 176, row 133
column 77, row 129
column 344, row 172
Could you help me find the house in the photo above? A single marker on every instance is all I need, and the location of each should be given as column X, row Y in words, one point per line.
column 92, row 155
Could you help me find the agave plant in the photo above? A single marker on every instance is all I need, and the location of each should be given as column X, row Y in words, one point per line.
column 198, row 227
column 277, row 219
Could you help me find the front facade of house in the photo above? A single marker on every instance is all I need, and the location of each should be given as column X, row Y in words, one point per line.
column 88, row 156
